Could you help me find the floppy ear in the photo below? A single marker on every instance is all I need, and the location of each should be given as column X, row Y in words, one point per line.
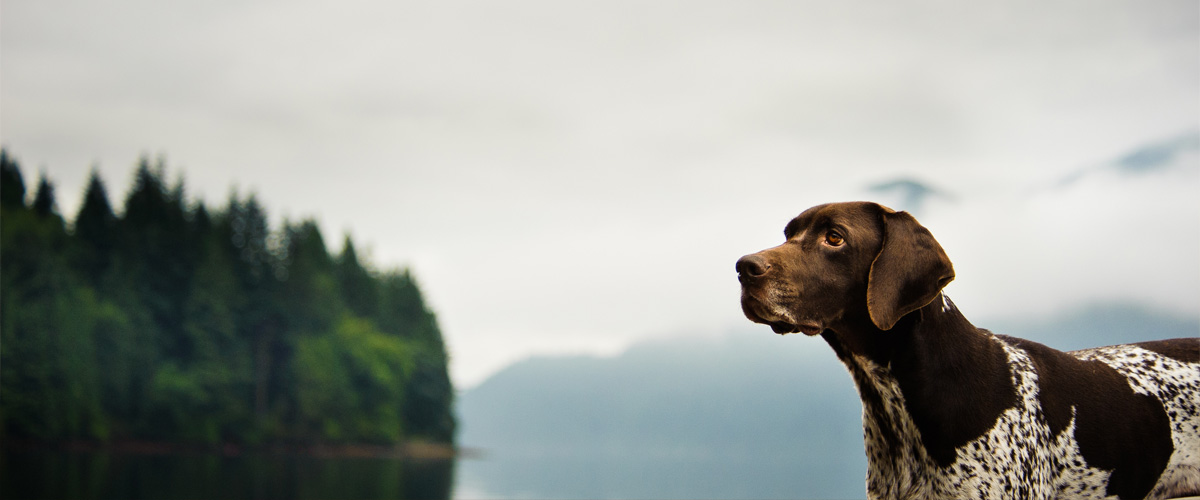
column 909, row 271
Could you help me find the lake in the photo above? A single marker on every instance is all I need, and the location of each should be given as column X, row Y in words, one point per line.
column 665, row 475
column 45, row 474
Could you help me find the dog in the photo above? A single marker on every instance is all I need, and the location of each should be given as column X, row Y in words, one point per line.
column 953, row 411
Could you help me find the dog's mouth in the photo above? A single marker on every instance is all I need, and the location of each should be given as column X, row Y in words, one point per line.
column 809, row 328
column 782, row 328
column 781, row 322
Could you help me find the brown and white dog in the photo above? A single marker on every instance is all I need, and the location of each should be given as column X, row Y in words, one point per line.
column 953, row 411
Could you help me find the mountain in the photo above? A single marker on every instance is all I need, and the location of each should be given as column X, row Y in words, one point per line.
column 1099, row 324
column 908, row 194
column 747, row 414
column 1158, row 156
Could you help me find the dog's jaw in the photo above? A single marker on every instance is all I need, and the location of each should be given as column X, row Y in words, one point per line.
column 779, row 317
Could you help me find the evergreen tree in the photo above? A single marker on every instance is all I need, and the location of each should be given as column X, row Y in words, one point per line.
column 260, row 319
column 151, row 241
column 312, row 300
column 143, row 245
column 202, row 224
column 429, row 395
column 358, row 287
column 48, row 377
column 208, row 392
column 43, row 199
column 12, row 187
column 95, row 232
column 403, row 311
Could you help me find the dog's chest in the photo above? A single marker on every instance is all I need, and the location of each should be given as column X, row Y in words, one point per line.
column 1017, row 457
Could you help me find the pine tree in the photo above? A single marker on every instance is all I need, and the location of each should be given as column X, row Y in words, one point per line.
column 154, row 280
column 312, row 297
column 95, row 232
column 358, row 288
column 43, row 199
column 429, row 395
column 12, row 187
column 215, row 403
column 47, row 376
column 260, row 319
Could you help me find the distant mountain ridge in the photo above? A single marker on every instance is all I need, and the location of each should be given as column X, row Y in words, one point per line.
column 740, row 415
column 1152, row 157
column 912, row 193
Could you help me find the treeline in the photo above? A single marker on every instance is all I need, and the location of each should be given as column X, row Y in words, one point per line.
column 166, row 320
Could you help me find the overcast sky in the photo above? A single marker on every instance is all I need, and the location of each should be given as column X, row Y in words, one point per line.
column 574, row 176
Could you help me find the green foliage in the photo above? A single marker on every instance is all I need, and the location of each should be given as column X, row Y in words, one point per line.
column 402, row 312
column 169, row 322
column 351, row 385
column 49, row 382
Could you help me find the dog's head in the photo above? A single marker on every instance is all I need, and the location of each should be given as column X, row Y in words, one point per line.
column 843, row 259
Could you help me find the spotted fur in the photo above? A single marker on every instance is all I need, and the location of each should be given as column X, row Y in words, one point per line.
column 1176, row 383
column 1019, row 456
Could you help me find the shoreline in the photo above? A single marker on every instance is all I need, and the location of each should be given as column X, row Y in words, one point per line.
column 408, row 450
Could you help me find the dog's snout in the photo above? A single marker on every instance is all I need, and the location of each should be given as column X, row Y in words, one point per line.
column 752, row 266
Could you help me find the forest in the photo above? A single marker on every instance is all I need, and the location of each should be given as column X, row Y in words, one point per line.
column 164, row 320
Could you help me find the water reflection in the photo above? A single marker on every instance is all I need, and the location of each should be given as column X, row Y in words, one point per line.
column 82, row 475
column 658, row 476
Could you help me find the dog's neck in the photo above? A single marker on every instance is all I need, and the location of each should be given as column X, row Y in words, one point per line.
column 938, row 325
column 933, row 374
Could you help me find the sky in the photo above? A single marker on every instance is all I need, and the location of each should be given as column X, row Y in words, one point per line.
column 571, row 177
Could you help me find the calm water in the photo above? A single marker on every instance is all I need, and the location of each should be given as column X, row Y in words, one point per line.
column 86, row 475
column 101, row 475
column 655, row 477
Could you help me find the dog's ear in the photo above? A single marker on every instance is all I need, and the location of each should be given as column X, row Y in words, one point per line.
column 909, row 271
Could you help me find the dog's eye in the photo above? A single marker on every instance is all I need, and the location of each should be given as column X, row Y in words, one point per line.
column 834, row 239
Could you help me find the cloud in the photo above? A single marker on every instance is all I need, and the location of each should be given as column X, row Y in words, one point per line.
column 1109, row 236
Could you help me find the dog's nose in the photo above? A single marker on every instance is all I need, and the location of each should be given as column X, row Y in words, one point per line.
column 752, row 266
